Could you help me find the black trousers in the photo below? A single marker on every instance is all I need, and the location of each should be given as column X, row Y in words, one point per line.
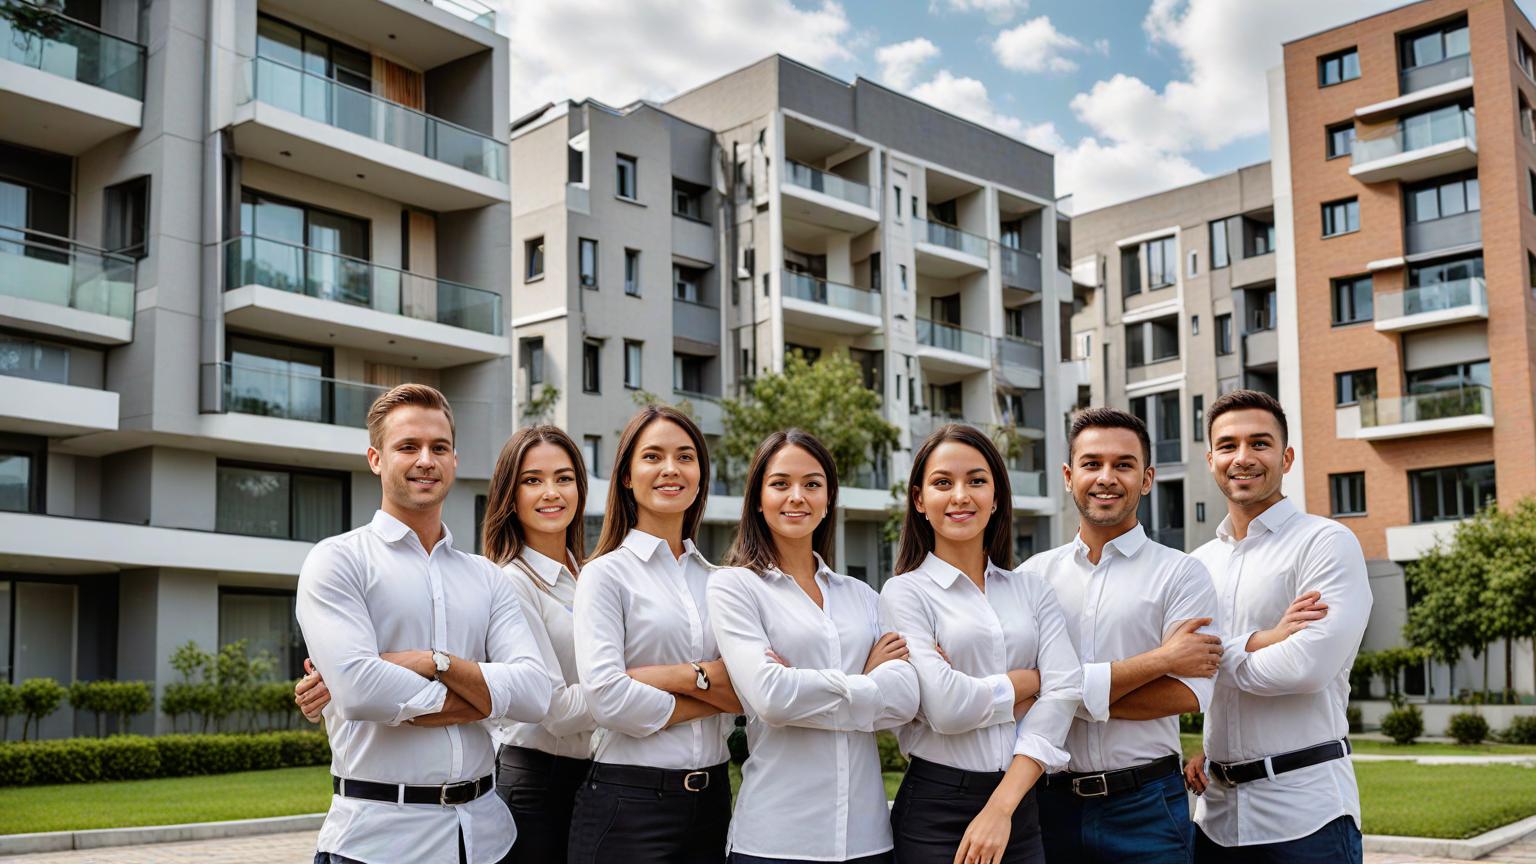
column 935, row 805
column 540, row 790
column 629, row 814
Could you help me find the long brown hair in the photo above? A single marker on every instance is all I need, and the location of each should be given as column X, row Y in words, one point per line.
column 623, row 512
column 754, row 547
column 502, row 535
column 917, row 533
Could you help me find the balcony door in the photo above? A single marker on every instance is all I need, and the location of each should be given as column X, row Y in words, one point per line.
column 310, row 69
column 279, row 379
column 307, row 250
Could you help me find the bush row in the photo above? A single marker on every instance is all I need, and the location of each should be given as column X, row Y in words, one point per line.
column 1405, row 723
column 137, row 757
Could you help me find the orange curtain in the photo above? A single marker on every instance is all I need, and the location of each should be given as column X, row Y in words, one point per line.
column 398, row 84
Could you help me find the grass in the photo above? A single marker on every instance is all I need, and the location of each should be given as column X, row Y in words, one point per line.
column 1452, row 801
column 1387, row 748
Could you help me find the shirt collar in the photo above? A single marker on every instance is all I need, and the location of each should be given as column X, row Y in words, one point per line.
column 1270, row 520
column 392, row 530
column 821, row 570
column 546, row 567
column 944, row 574
column 645, row 545
column 1126, row 545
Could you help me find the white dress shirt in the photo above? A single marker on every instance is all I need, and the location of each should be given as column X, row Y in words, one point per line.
column 1125, row 605
column 1289, row 695
column 566, row 729
column 375, row 590
column 639, row 606
column 965, row 718
column 810, row 725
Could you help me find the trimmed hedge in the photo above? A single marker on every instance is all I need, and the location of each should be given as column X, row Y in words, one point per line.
column 1522, row 730
column 137, row 757
column 1468, row 727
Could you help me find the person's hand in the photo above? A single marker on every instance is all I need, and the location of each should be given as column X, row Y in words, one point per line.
column 420, row 662
column 1303, row 610
column 986, row 838
column 774, row 656
column 1188, row 654
column 1194, row 774
column 888, row 647
column 945, row 657
column 310, row 693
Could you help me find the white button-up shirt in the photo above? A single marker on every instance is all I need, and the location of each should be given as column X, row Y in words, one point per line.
column 811, row 725
column 639, row 606
column 1289, row 695
column 1125, row 605
column 375, row 590
column 965, row 718
column 566, row 729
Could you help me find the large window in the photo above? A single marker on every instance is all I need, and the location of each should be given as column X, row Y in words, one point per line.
column 1221, row 240
column 351, row 107
column 1346, row 494
column 1457, row 492
column 1261, row 309
column 1130, row 271
column 285, row 503
column 1258, row 237
column 1338, row 67
column 304, row 249
column 627, row 177
column 23, row 460
column 1152, row 341
column 587, row 262
column 21, row 357
column 686, row 282
column 1455, row 376
column 1341, row 217
column 1442, row 198
column 127, row 228
column 1162, row 263
column 688, row 373
column 687, row 200
column 1350, row 387
column 265, row 620
column 282, row 379
column 1341, row 140
column 1352, row 300
column 1432, row 45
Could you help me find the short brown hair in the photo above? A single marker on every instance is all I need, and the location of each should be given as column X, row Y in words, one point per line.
column 398, row 397
column 1110, row 418
column 1239, row 400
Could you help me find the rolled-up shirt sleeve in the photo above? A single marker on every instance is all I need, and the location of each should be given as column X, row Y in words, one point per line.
column 897, row 680
column 519, row 682
column 952, row 701
column 332, row 611
column 617, row 701
column 1194, row 596
column 1097, row 682
column 1042, row 733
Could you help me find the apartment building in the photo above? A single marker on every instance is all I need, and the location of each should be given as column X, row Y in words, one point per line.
column 224, row 229
column 1405, row 147
column 1179, row 307
column 680, row 249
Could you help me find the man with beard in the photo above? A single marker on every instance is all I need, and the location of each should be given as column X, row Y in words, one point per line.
column 1140, row 617
column 1275, row 780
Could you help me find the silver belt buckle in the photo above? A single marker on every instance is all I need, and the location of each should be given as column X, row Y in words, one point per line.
column 442, row 795
column 688, row 781
column 1219, row 771
column 1103, row 780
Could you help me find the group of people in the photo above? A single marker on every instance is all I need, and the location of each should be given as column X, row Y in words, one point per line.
column 1038, row 706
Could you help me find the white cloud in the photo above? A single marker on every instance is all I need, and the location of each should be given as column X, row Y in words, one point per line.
column 968, row 98
column 1035, row 46
column 899, row 63
column 1098, row 174
column 653, row 49
column 997, row 11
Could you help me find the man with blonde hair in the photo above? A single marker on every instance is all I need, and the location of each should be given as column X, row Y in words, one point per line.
column 417, row 642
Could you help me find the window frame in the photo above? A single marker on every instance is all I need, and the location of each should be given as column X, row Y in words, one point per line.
column 1346, row 203
column 1340, row 282
column 113, row 198
column 1328, row 138
column 631, row 272
column 342, row 478
column 1339, row 56
column 1355, row 492
column 35, row 449
column 591, row 366
column 1413, row 498
column 533, row 254
column 620, row 162
column 1225, row 344
column 582, row 277
column 1355, row 377
column 633, row 369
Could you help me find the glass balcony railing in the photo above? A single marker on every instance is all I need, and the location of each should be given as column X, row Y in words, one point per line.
column 1021, row 352
column 951, row 237
column 816, row 180
column 1439, row 297
column 1027, row 483
column 1021, row 268
column 805, row 287
column 43, row 39
column 1167, row 451
column 951, row 338
column 278, row 392
column 1432, row 74
column 472, row 11
column 1466, row 401
column 335, row 104
column 48, row 269
column 1417, row 133
column 329, row 276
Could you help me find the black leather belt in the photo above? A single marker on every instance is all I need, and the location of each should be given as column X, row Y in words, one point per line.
column 1102, row 784
column 447, row 795
column 959, row 778
column 1233, row 773
column 662, row 779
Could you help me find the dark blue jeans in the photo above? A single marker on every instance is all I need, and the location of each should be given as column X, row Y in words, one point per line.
column 738, row 858
column 1148, row 826
column 1338, row 842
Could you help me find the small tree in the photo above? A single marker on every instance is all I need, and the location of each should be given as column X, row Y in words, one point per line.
column 40, row 697
column 189, row 695
column 1449, row 616
column 10, row 706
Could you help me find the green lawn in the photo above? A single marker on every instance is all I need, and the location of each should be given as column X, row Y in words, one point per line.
column 1443, row 800
column 1387, row 748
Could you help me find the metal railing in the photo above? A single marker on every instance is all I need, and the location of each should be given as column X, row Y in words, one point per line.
column 330, row 276
column 34, row 36
column 1417, row 133
column 293, row 396
column 951, row 237
column 817, row 180
column 1454, row 294
column 951, row 338
column 35, row 265
column 1465, row 401
column 1021, row 268
column 1431, row 74
column 472, row 11
column 335, row 104
column 802, row 286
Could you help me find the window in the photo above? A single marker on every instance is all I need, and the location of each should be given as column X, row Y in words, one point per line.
column 1341, row 140
column 898, row 199
column 290, row 224
column 687, row 200
column 1530, row 271
column 1352, row 300
column 533, row 365
column 533, row 254
column 21, row 357
column 128, row 218
column 1338, row 67
column 1346, row 494
column 876, row 272
column 1432, row 45
column 632, row 272
column 632, row 364
column 626, row 180
column 1224, row 334
column 1524, row 57
column 1161, row 264
column 901, row 271
column 23, row 461
column 1130, row 271
column 1197, row 415
column 1194, row 263
column 592, row 452
column 1455, row 377
column 587, row 262
column 688, row 373
column 264, row 619
column 1341, row 217
column 1457, row 281
column 1194, row 325
column 1261, row 309
column 1457, row 492
column 1350, row 387
column 1258, row 238
column 1136, row 345
column 1441, row 198
column 272, row 378
column 575, row 165
column 1221, row 253
column 1199, row 511
column 1160, row 335
column 591, row 366
column 686, row 282
column 1527, row 120
column 285, row 503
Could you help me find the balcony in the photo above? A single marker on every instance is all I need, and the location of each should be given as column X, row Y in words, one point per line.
column 1432, row 305
column 296, row 292
column 1021, row 269
column 1167, row 451
column 293, row 118
column 33, row 402
column 1426, row 146
column 1456, row 410
column 817, row 304
column 1020, row 362
column 1449, row 70
column 55, row 286
column 1462, row 231
column 829, row 200
column 947, row 348
column 430, row 32
column 1261, row 349
column 1159, row 370
column 65, row 86
column 946, row 251
column 273, row 407
column 695, row 327
column 1026, row 484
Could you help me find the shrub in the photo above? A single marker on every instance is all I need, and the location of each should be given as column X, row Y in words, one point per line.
column 1356, row 723
column 121, row 699
column 1404, row 724
column 1521, row 730
column 890, row 752
column 736, row 742
column 10, row 706
column 1467, row 728
column 1191, row 724
column 129, row 757
column 40, row 697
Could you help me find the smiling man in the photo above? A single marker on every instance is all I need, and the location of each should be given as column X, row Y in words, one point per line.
column 1139, row 615
column 418, row 642
column 1275, row 780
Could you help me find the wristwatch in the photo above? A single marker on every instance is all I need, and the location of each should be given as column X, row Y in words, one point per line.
column 702, row 679
column 441, row 660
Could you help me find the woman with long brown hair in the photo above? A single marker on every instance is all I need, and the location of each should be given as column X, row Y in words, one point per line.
column 989, row 646
column 814, row 672
column 659, row 791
